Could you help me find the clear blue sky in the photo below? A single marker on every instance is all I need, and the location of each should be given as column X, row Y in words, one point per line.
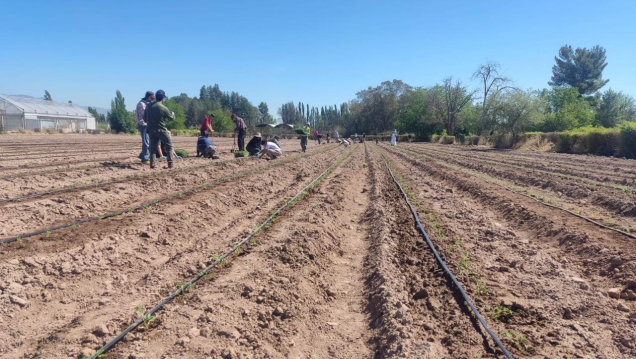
column 318, row 52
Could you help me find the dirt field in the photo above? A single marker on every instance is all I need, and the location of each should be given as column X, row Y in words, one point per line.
column 343, row 273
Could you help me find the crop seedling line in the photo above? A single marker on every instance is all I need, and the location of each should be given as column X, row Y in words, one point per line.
column 441, row 262
column 597, row 172
column 533, row 197
column 126, row 178
column 189, row 191
column 182, row 287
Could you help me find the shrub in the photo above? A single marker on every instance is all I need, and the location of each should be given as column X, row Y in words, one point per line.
column 448, row 140
column 627, row 140
column 435, row 138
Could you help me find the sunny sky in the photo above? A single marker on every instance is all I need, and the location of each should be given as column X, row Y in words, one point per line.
column 317, row 52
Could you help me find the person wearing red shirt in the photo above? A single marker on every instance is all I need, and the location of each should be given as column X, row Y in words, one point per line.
column 207, row 125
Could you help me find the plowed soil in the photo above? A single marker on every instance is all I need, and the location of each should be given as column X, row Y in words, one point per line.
column 343, row 273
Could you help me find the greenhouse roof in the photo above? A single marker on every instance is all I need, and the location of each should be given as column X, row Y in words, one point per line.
column 44, row 107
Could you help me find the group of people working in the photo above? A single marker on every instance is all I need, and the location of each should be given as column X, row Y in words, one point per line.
column 153, row 115
column 152, row 119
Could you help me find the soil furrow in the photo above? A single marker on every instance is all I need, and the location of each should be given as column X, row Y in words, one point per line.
column 132, row 261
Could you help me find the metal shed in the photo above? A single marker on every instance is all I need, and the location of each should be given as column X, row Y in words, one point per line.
column 21, row 113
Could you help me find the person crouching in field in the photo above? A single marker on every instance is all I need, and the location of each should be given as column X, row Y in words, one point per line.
column 254, row 146
column 270, row 150
column 206, row 148
column 343, row 142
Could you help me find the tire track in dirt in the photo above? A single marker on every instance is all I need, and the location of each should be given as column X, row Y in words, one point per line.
column 535, row 292
column 129, row 262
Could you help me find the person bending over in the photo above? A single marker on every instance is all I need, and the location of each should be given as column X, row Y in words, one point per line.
column 206, row 148
column 254, row 146
column 270, row 150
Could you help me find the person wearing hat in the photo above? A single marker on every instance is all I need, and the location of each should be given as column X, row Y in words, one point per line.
column 144, row 156
column 206, row 126
column 156, row 116
column 254, row 146
column 303, row 137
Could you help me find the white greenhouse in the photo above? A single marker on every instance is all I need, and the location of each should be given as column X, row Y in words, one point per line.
column 20, row 113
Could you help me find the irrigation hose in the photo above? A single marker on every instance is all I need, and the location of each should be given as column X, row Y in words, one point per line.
column 119, row 180
column 219, row 260
column 538, row 200
column 191, row 190
column 630, row 190
column 446, row 269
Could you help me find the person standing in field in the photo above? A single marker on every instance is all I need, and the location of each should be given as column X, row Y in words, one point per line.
column 394, row 138
column 336, row 135
column 142, row 126
column 240, row 130
column 327, row 137
column 304, row 137
column 156, row 116
column 206, row 125
column 271, row 150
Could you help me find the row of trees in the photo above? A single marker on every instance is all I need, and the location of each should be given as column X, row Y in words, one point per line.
column 189, row 112
column 496, row 105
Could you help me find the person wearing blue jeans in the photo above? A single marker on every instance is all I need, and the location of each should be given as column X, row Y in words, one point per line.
column 142, row 126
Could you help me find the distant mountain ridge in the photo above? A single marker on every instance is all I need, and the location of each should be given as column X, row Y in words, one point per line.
column 100, row 110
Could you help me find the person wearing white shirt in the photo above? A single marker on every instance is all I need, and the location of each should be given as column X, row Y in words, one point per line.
column 270, row 149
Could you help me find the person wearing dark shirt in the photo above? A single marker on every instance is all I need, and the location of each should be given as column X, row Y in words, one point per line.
column 254, row 146
column 156, row 116
column 206, row 125
column 206, row 148
column 240, row 129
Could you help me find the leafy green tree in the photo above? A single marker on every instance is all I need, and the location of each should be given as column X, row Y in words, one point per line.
column 417, row 116
column 47, row 96
column 191, row 115
column 614, row 108
column 179, row 115
column 518, row 111
column 581, row 68
column 119, row 118
column 222, row 121
column 566, row 110
column 448, row 101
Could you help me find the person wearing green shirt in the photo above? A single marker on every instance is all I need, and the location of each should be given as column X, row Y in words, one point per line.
column 303, row 137
column 156, row 116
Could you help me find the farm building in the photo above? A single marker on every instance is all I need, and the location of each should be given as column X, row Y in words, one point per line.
column 20, row 113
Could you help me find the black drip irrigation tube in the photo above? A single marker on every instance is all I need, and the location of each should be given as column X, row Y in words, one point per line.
column 182, row 289
column 191, row 190
column 541, row 202
column 66, row 163
column 446, row 269
column 63, row 170
column 587, row 181
column 124, row 179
